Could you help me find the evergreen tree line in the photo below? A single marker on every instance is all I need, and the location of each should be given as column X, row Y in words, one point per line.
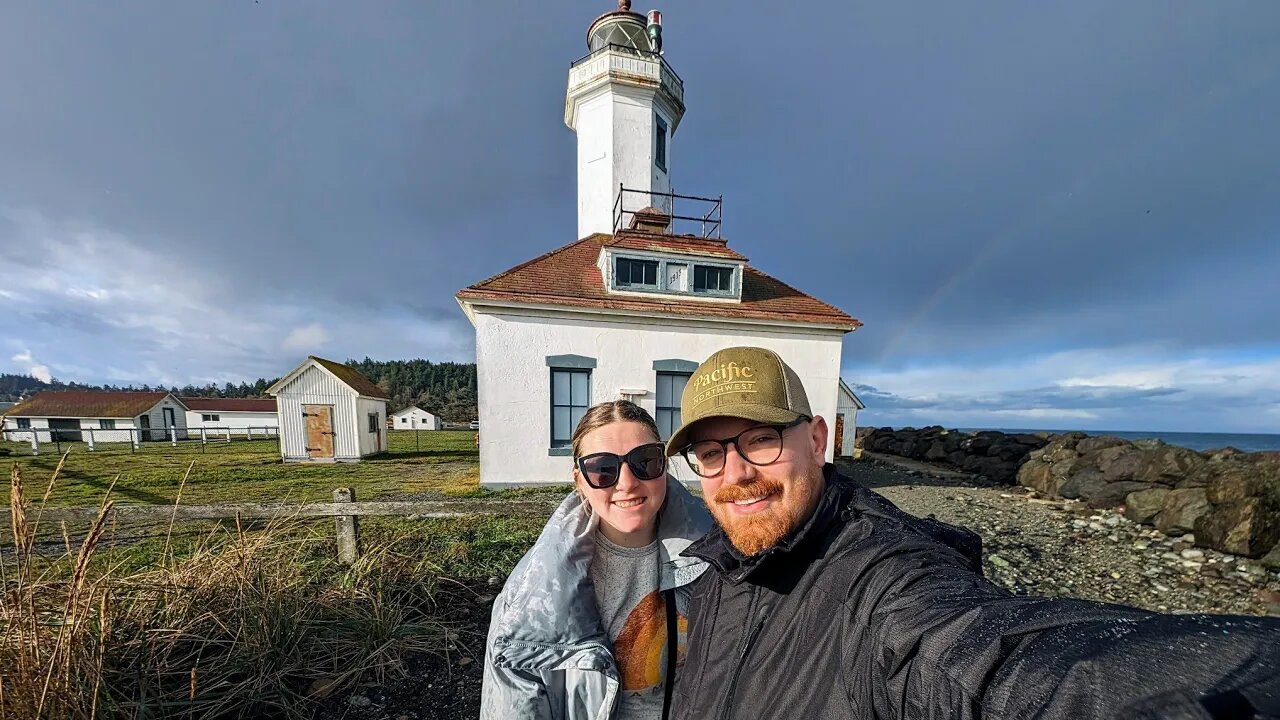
column 447, row 389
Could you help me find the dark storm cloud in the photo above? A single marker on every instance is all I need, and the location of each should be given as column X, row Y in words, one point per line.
column 974, row 183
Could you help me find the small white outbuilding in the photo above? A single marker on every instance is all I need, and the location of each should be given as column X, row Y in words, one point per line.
column 847, row 406
column 414, row 418
column 329, row 412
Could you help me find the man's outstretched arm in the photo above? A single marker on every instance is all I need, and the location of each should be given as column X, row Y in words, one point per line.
column 931, row 638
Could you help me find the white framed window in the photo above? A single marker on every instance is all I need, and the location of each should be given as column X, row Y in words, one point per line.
column 635, row 272
column 106, row 424
column 712, row 279
column 570, row 398
column 667, row 409
column 24, row 423
column 210, row 417
column 373, row 422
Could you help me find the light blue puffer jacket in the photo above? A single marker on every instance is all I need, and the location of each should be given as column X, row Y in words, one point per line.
column 548, row 656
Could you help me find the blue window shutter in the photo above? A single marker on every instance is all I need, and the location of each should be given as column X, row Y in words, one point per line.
column 576, row 362
column 675, row 366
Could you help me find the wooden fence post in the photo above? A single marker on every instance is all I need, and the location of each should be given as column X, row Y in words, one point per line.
column 348, row 528
column 91, row 448
column 204, row 438
column 173, row 435
column 35, row 443
column 228, row 433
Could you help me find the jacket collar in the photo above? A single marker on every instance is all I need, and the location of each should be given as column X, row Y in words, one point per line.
column 549, row 597
column 735, row 567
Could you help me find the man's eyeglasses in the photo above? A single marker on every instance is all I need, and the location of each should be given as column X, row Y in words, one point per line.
column 602, row 469
column 759, row 445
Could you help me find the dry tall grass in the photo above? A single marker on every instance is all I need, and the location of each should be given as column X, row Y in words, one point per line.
column 248, row 624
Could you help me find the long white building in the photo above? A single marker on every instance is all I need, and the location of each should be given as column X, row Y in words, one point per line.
column 630, row 308
column 240, row 416
column 100, row 416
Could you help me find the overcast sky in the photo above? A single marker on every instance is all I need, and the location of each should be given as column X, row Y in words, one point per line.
column 1050, row 215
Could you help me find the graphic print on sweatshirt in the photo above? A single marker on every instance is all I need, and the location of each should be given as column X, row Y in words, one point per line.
column 635, row 617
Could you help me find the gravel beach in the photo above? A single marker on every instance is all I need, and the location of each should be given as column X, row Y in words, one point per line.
column 1038, row 546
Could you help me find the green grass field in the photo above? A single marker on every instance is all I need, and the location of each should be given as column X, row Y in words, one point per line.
column 435, row 463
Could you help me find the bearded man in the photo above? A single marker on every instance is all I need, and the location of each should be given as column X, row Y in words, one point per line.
column 827, row 601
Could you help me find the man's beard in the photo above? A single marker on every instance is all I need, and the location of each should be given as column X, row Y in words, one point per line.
column 751, row 534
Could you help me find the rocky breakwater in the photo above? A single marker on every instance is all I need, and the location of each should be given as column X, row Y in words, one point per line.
column 989, row 453
column 1227, row 499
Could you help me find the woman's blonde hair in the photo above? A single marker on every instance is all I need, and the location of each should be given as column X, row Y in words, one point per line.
column 607, row 413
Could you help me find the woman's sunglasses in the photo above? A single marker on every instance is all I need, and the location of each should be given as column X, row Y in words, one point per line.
column 602, row 470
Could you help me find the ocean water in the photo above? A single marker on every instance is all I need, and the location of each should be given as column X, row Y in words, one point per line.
column 1195, row 441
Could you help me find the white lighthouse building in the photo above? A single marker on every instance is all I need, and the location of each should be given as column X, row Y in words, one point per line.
column 624, row 103
column 648, row 289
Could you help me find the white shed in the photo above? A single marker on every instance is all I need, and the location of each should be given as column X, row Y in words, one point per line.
column 414, row 418
column 847, row 406
column 329, row 412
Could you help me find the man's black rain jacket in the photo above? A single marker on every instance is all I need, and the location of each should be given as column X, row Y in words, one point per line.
column 868, row 612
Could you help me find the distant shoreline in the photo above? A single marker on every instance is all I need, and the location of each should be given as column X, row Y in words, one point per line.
column 1247, row 442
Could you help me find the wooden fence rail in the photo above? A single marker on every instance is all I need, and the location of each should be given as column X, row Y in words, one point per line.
column 345, row 510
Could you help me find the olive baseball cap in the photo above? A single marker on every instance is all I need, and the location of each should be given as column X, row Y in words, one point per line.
column 740, row 382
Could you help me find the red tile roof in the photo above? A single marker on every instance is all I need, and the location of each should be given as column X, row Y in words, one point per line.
column 352, row 378
column 204, row 404
column 569, row 276
column 87, row 404
column 683, row 244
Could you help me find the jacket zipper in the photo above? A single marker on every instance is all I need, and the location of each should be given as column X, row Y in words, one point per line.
column 761, row 615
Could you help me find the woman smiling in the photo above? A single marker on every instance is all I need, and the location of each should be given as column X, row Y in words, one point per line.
column 591, row 622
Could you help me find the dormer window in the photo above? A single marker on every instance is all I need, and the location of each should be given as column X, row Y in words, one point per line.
column 712, row 279
column 675, row 276
column 636, row 273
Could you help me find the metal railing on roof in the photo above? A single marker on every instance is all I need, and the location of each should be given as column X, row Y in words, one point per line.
column 650, row 54
column 709, row 222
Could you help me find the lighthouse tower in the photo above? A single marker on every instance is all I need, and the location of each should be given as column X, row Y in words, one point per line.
column 624, row 103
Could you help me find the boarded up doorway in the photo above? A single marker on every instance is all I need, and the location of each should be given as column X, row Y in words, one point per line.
column 319, row 419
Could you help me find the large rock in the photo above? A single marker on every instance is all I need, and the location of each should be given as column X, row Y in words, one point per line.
column 1111, row 494
column 1168, row 464
column 937, row 451
column 1237, row 481
column 1056, row 453
column 1181, row 510
column 1272, row 559
column 1009, row 452
column 1094, row 444
column 1142, row 506
column 1120, row 462
column 1247, row 527
column 1085, row 483
column 1221, row 454
column 1069, row 440
column 1038, row 475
